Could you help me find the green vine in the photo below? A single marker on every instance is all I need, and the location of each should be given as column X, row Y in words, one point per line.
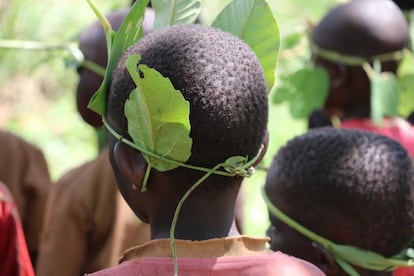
column 345, row 254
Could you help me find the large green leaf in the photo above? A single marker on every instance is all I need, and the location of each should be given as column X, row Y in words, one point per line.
column 405, row 75
column 254, row 22
column 168, row 13
column 129, row 32
column 158, row 117
column 406, row 95
column 384, row 96
column 308, row 88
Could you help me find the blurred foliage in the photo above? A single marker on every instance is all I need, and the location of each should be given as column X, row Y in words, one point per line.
column 37, row 90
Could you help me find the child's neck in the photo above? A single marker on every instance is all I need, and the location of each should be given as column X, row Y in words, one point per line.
column 196, row 222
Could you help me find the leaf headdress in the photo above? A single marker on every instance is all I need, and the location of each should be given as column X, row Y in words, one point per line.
column 346, row 255
column 159, row 124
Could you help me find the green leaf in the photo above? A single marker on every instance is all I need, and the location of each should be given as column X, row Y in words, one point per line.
column 158, row 117
column 406, row 66
column 406, row 95
column 405, row 78
column 347, row 268
column 309, row 89
column 384, row 96
column 168, row 13
column 254, row 22
column 129, row 32
column 282, row 93
column 363, row 258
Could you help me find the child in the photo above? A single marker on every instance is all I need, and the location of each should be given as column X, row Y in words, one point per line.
column 87, row 223
column 24, row 168
column 364, row 29
column 349, row 187
column 223, row 82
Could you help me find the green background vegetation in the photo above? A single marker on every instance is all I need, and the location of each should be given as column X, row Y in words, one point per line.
column 37, row 88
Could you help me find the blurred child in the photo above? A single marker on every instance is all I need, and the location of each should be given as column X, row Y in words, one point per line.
column 342, row 188
column 346, row 37
column 24, row 168
column 87, row 223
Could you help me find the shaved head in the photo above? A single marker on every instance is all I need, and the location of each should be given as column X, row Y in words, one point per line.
column 363, row 28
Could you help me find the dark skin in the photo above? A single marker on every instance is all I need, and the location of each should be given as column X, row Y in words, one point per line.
column 285, row 239
column 93, row 46
column 92, row 43
column 354, row 29
column 199, row 219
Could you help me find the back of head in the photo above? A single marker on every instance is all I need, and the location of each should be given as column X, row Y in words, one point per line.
column 347, row 36
column 220, row 77
column 363, row 28
column 351, row 187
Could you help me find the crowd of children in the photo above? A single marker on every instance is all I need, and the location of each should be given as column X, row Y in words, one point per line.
column 340, row 197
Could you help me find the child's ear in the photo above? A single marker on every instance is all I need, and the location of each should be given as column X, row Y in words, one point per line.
column 324, row 260
column 263, row 151
column 130, row 163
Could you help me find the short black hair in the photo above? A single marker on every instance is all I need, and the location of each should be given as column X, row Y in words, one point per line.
column 318, row 119
column 221, row 78
column 350, row 186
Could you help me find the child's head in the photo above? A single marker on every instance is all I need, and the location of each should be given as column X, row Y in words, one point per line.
column 92, row 43
column 223, row 81
column 350, row 187
column 362, row 29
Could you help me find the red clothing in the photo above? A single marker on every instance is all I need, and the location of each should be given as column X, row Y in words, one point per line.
column 395, row 128
column 14, row 256
column 227, row 256
column 404, row 271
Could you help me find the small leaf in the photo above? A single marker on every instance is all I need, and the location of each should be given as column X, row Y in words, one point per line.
column 406, row 65
column 168, row 13
column 158, row 117
column 406, row 95
column 254, row 22
column 384, row 96
column 129, row 32
column 234, row 162
column 410, row 253
column 405, row 75
column 363, row 258
column 309, row 89
column 347, row 268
